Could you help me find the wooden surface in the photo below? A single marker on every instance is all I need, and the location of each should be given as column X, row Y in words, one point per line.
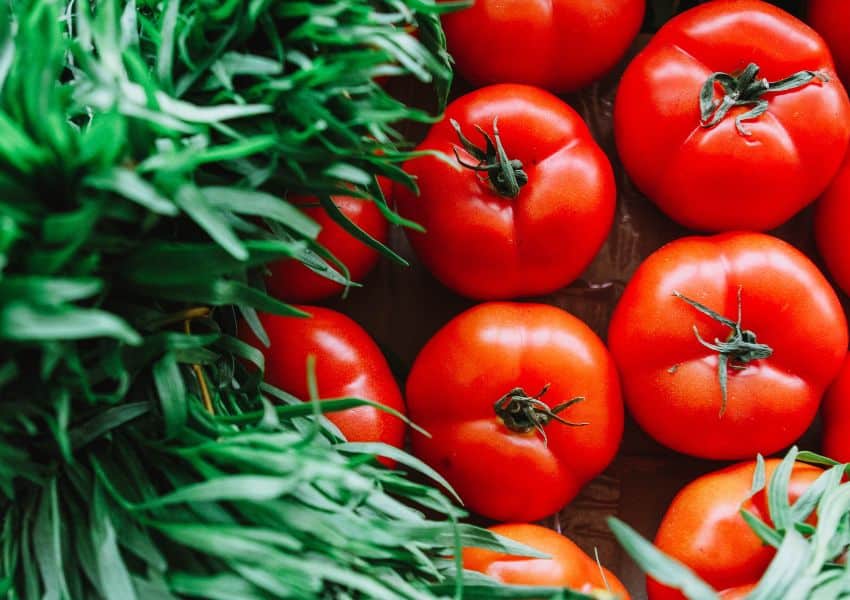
column 403, row 307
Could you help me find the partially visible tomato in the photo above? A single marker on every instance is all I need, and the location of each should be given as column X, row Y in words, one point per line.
column 568, row 566
column 832, row 223
column 348, row 365
column 709, row 127
column 291, row 281
column 748, row 380
column 703, row 528
column 831, row 19
column 526, row 215
column 498, row 389
column 836, row 416
column 560, row 45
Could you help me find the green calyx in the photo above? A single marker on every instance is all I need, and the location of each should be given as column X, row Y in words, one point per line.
column 740, row 348
column 744, row 89
column 505, row 175
column 523, row 413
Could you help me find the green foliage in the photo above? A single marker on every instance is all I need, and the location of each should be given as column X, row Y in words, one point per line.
column 146, row 149
column 810, row 561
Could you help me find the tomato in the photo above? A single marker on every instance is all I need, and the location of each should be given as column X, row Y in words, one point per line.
column 831, row 19
column 498, row 389
column 568, row 566
column 836, row 416
column 710, row 167
column 703, row 528
column 531, row 222
column 832, row 222
column 780, row 351
column 560, row 45
column 292, row 281
column 348, row 365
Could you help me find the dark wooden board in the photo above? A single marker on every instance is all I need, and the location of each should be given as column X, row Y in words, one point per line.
column 403, row 307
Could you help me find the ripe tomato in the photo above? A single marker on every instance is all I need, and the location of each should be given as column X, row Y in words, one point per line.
column 832, row 222
column 701, row 136
column 559, row 45
column 569, row 566
column 292, row 281
column 348, row 365
column 497, row 388
column 781, row 342
column 530, row 222
column 831, row 19
column 703, row 528
column 836, row 416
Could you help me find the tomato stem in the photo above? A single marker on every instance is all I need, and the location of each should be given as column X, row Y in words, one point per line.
column 740, row 347
column 523, row 413
column 506, row 175
column 743, row 89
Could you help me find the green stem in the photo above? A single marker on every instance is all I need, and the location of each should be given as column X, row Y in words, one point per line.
column 506, row 175
column 523, row 413
column 743, row 89
column 740, row 347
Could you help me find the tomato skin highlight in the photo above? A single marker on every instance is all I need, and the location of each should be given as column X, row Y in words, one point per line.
column 832, row 222
column 715, row 179
column 487, row 246
column 568, row 566
column 670, row 380
column 836, row 416
column 291, row 281
column 349, row 364
column 831, row 19
column 703, row 528
column 559, row 45
column 473, row 361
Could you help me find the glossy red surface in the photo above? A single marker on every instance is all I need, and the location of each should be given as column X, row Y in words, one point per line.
column 715, row 179
column 480, row 356
column 487, row 246
column 559, row 45
column 670, row 379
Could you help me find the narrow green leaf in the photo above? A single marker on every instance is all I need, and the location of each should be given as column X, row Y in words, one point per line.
column 660, row 566
column 171, row 390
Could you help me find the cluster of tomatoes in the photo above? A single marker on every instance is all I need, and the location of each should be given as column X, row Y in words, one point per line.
column 732, row 119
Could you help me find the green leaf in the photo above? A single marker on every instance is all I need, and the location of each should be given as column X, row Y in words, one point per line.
column 33, row 322
column 128, row 184
column 786, row 567
column 171, row 390
column 777, row 491
column 660, row 566
column 255, row 488
column 193, row 203
column 105, row 422
column 259, row 204
column 115, row 579
column 401, row 457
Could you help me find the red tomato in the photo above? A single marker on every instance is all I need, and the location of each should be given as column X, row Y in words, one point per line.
column 569, row 566
column 292, row 281
column 560, row 45
column 489, row 237
column 476, row 388
column 836, row 417
column 831, row 19
column 751, row 174
column 791, row 338
column 704, row 529
column 832, row 222
column 348, row 365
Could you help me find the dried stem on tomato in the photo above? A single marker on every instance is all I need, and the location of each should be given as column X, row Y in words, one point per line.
column 523, row 413
column 740, row 347
column 744, row 89
column 505, row 175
